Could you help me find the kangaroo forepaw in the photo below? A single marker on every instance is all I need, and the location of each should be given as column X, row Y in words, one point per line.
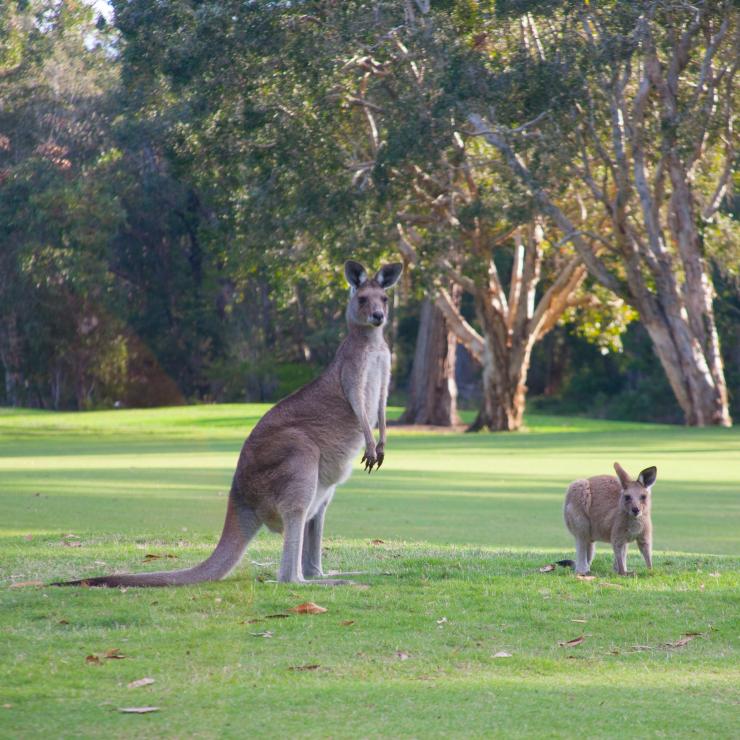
column 370, row 461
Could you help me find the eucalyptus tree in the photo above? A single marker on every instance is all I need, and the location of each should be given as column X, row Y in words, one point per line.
column 460, row 216
column 636, row 102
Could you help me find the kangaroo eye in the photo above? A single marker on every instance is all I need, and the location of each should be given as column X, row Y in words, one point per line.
column 643, row 497
column 627, row 497
column 362, row 299
column 385, row 299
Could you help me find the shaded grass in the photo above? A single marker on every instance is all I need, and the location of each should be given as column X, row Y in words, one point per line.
column 466, row 522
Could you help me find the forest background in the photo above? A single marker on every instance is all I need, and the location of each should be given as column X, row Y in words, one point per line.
column 181, row 181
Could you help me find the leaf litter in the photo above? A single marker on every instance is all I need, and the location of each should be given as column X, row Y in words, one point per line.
column 308, row 607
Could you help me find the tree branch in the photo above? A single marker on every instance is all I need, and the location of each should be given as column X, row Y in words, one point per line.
column 465, row 333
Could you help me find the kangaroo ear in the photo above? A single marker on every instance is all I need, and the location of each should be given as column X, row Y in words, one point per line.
column 355, row 273
column 388, row 275
column 647, row 477
column 624, row 478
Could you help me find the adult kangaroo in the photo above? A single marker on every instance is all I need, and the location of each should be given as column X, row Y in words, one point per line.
column 302, row 449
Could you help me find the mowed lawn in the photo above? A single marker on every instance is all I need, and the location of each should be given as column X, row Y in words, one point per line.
column 452, row 531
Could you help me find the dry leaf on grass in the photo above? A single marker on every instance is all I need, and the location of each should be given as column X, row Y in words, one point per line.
column 547, row 568
column 68, row 543
column 308, row 607
column 63, row 621
column 502, row 654
column 277, row 616
column 377, row 542
column 154, row 556
column 685, row 640
column 141, row 682
column 24, row 584
column 266, row 634
column 572, row 643
column 347, row 622
column 28, row 537
column 92, row 659
column 580, row 621
column 401, row 655
column 70, row 536
column 585, row 577
column 114, row 654
column 310, row 667
column 138, row 710
column 607, row 584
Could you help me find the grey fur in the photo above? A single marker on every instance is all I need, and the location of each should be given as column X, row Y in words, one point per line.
column 302, row 449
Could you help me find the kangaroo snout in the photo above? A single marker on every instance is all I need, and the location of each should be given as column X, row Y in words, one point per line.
column 635, row 511
column 378, row 317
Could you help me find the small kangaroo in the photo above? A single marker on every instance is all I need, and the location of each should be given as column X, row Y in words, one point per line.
column 608, row 509
column 301, row 449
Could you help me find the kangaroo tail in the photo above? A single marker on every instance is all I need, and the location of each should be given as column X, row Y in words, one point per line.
column 566, row 563
column 241, row 524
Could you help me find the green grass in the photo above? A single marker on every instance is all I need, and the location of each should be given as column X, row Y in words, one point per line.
column 466, row 521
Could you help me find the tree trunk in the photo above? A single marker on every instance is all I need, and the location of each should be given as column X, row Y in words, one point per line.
column 505, row 368
column 10, row 356
column 432, row 397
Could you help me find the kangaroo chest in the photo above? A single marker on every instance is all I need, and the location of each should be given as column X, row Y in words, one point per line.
column 376, row 372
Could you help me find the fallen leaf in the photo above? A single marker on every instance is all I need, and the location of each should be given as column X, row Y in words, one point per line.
column 443, row 620
column 153, row 556
column 641, row 648
column 277, row 616
column 114, row 654
column 377, row 542
column 62, row 621
column 92, row 659
column 580, row 621
column 24, row 584
column 607, row 584
column 28, row 537
column 218, row 599
column 141, row 682
column 682, row 642
column 585, row 578
column 348, row 622
column 547, row 568
column 252, row 621
column 714, row 575
column 310, row 667
column 7, row 706
column 138, row 710
column 572, row 643
column 67, row 543
column 401, row 655
column 267, row 634
column 693, row 634
column 70, row 537
column 502, row 654
column 308, row 607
